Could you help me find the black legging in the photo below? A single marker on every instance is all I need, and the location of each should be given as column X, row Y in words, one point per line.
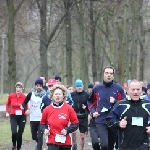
column 20, row 121
column 94, row 138
column 56, row 147
column 107, row 136
column 37, row 135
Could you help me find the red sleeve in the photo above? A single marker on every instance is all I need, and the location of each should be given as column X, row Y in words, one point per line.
column 8, row 103
column 94, row 101
column 119, row 96
column 73, row 116
column 44, row 117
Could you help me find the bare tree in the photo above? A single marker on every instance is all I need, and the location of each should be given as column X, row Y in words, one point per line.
column 12, row 11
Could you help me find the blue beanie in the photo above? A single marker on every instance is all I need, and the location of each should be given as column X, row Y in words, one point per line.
column 78, row 83
column 148, row 86
column 39, row 81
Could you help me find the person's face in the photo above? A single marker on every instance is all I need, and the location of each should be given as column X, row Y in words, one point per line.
column 70, row 89
column 44, row 81
column 18, row 89
column 79, row 88
column 125, row 89
column 58, row 82
column 96, row 83
column 134, row 90
column 38, row 87
column 50, row 86
column 90, row 90
column 108, row 75
column 148, row 92
column 58, row 96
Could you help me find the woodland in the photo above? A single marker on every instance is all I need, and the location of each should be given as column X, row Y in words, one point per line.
column 74, row 39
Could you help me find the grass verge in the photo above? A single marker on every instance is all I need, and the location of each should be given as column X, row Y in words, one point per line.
column 3, row 100
column 5, row 132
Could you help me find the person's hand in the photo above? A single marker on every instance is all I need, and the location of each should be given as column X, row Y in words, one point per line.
column 46, row 132
column 83, row 106
column 27, row 112
column 7, row 114
column 63, row 131
column 21, row 107
column 148, row 129
column 89, row 117
column 112, row 100
column 96, row 114
column 123, row 123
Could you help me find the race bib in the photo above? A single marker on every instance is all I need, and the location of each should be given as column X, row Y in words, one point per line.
column 137, row 121
column 104, row 109
column 18, row 112
column 60, row 138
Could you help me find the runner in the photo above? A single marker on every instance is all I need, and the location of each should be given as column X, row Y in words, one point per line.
column 105, row 95
column 80, row 98
column 35, row 98
column 61, row 120
column 17, row 115
column 46, row 101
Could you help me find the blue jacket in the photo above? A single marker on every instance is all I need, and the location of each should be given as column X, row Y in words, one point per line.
column 69, row 98
column 45, row 102
column 146, row 97
column 99, row 99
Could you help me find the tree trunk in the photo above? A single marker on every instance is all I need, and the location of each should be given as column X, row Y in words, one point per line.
column 11, row 47
column 43, row 40
column 83, row 71
column 93, row 50
column 67, row 4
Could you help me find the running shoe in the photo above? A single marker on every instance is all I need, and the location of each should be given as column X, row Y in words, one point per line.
column 14, row 148
column 74, row 147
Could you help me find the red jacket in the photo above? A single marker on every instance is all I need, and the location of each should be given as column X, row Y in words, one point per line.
column 15, row 102
column 59, row 118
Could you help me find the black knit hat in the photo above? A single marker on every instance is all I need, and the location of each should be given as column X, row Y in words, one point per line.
column 39, row 81
column 90, row 85
column 57, row 77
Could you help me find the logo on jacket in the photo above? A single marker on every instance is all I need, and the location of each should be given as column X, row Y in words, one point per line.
column 62, row 116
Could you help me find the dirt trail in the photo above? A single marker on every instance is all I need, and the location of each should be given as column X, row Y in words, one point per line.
column 30, row 145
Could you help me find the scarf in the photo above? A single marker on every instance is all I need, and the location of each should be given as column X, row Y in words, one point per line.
column 39, row 93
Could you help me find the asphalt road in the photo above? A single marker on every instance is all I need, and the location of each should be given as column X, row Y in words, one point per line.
column 2, row 107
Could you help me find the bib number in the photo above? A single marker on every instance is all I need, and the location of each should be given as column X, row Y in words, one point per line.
column 137, row 121
column 18, row 112
column 60, row 138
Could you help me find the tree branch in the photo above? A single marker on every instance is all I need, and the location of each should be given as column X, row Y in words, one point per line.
column 18, row 7
column 55, row 29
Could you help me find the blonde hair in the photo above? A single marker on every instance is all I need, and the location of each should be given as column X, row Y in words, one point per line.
column 58, row 86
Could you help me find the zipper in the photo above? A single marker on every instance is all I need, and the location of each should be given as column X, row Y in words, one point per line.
column 78, row 105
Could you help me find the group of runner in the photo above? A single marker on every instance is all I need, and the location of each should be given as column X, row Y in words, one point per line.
column 57, row 112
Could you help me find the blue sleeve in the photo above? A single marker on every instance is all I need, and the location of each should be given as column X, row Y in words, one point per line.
column 45, row 102
column 113, row 117
column 69, row 98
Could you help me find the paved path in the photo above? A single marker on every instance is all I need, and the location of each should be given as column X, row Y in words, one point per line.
column 2, row 107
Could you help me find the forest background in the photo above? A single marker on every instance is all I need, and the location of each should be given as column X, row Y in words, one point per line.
column 73, row 39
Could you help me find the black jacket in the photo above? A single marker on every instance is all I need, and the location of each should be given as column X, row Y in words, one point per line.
column 80, row 98
column 133, row 135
